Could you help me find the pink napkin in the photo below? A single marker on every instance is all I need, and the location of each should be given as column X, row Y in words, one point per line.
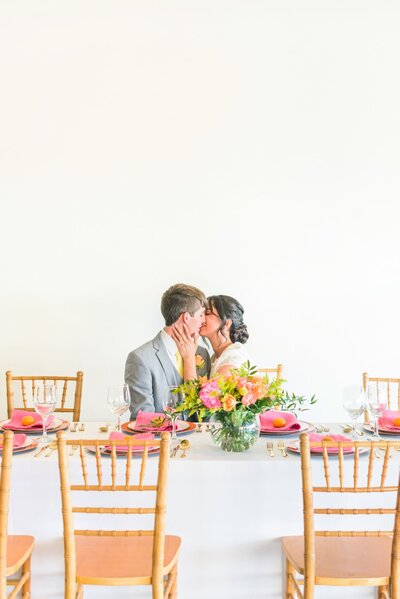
column 117, row 435
column 16, row 417
column 144, row 422
column 386, row 420
column 314, row 437
column 267, row 419
column 18, row 441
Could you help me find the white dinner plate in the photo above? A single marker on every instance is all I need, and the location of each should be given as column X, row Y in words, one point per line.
column 306, row 427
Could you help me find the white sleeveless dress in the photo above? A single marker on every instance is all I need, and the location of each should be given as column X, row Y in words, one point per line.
column 234, row 355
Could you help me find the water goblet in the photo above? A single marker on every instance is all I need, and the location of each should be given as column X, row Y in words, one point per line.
column 45, row 401
column 377, row 404
column 171, row 403
column 354, row 402
column 118, row 400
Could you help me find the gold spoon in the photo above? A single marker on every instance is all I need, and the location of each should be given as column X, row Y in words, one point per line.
column 184, row 445
column 104, row 429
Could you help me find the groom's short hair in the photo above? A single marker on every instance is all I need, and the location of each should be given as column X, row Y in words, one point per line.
column 179, row 299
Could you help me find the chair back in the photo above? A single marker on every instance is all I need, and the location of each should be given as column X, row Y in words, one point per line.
column 5, row 481
column 27, row 389
column 277, row 371
column 115, row 474
column 392, row 386
column 367, row 475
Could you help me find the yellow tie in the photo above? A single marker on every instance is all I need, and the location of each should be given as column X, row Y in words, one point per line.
column 179, row 363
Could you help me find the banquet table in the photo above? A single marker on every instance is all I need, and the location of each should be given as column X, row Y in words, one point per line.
column 229, row 508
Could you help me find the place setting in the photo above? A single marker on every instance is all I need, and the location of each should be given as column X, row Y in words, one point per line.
column 280, row 422
column 21, row 443
column 384, row 421
column 41, row 422
column 159, row 422
column 145, row 427
column 354, row 402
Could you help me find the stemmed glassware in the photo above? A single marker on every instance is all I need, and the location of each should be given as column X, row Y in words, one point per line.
column 377, row 403
column 45, row 402
column 172, row 401
column 354, row 402
column 118, row 400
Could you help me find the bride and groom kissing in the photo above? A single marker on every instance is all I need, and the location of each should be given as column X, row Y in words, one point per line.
column 175, row 355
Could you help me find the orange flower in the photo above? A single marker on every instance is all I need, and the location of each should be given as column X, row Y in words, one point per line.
column 228, row 402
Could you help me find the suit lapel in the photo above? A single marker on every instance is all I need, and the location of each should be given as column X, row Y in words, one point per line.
column 171, row 374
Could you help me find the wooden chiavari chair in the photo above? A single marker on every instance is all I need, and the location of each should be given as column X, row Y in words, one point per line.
column 277, row 372
column 118, row 557
column 392, row 389
column 56, row 380
column 15, row 550
column 346, row 557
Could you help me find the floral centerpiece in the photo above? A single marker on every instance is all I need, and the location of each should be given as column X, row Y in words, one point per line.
column 232, row 403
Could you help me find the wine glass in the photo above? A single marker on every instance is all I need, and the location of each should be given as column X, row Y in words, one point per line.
column 118, row 400
column 45, row 401
column 354, row 402
column 172, row 401
column 377, row 402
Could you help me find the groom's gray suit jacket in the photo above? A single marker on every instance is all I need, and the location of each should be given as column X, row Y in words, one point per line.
column 149, row 372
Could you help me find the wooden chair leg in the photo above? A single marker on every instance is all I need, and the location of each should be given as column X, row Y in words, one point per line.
column 289, row 588
column 26, row 587
column 383, row 592
column 79, row 591
column 174, row 588
column 170, row 584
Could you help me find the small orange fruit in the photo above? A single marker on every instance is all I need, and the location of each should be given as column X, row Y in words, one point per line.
column 27, row 420
column 396, row 421
column 279, row 422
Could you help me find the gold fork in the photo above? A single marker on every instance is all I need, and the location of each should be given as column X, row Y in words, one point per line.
column 50, row 449
column 270, row 448
column 73, row 449
column 282, row 448
column 41, row 450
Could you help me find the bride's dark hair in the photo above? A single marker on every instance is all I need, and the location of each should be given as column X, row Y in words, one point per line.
column 229, row 308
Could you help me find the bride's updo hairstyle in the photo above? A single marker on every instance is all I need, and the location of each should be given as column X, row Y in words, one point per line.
column 228, row 308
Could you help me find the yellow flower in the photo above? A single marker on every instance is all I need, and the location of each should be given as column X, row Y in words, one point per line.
column 198, row 361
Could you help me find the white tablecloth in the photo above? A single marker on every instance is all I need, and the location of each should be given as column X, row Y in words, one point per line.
column 229, row 509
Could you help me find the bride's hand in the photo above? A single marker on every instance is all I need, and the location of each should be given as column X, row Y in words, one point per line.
column 187, row 345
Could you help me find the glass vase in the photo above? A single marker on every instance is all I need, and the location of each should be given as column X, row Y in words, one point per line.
column 235, row 430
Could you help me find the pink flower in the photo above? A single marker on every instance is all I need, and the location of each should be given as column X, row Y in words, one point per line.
column 249, row 399
column 210, row 395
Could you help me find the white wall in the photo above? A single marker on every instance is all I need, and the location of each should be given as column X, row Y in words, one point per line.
column 247, row 147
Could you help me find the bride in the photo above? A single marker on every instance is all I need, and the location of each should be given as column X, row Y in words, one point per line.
column 227, row 333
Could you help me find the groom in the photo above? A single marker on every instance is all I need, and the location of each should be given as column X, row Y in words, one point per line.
column 155, row 366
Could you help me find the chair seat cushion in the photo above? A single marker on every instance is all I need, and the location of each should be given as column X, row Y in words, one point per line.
column 344, row 558
column 19, row 548
column 120, row 560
